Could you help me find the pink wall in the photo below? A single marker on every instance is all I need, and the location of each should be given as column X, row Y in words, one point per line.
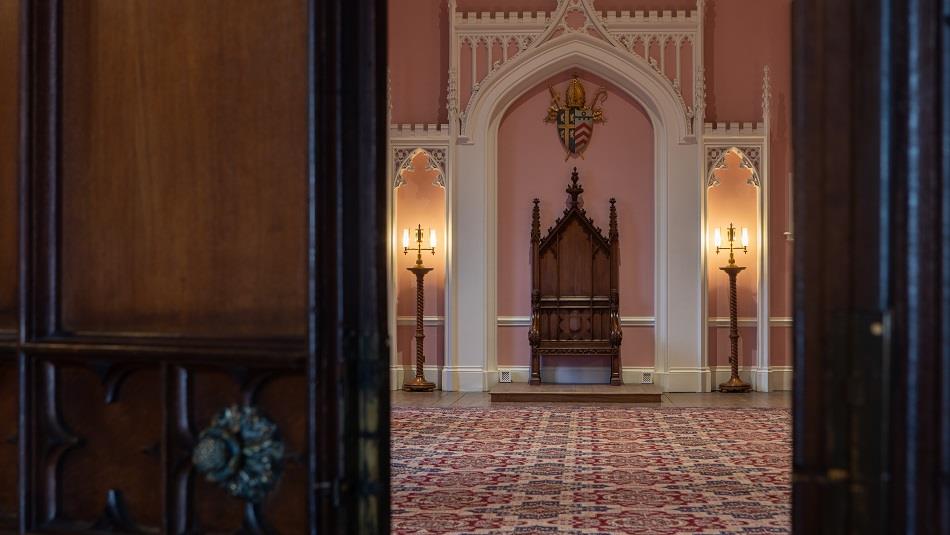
column 418, row 201
column 741, row 37
column 418, row 60
column 618, row 163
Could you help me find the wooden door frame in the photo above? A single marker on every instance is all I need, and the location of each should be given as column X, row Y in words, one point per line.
column 871, row 405
column 348, row 344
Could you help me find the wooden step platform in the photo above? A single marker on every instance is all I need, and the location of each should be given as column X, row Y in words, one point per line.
column 524, row 392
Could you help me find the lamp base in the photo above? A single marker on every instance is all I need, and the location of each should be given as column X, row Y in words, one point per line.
column 419, row 384
column 735, row 384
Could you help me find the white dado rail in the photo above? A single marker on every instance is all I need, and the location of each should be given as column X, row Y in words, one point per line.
column 625, row 321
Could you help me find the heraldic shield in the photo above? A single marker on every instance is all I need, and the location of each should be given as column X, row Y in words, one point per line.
column 575, row 120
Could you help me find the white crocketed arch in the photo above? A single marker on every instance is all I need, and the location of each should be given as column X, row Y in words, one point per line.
column 591, row 53
column 678, row 293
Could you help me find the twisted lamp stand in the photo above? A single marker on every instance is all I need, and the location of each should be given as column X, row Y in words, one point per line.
column 419, row 383
column 734, row 384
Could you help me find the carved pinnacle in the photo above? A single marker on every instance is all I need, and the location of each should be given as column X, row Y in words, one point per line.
column 614, row 234
column 536, row 222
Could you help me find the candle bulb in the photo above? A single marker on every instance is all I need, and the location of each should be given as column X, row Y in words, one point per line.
column 745, row 237
column 432, row 239
column 405, row 237
column 717, row 237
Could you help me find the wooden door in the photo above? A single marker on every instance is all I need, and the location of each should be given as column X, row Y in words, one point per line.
column 167, row 265
column 872, row 288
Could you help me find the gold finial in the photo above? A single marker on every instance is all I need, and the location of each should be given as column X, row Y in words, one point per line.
column 575, row 93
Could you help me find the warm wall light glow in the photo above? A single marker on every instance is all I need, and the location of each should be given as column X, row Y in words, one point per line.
column 405, row 237
column 745, row 237
column 717, row 237
column 432, row 240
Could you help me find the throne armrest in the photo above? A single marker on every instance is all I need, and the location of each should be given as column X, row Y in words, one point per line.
column 616, row 333
column 534, row 333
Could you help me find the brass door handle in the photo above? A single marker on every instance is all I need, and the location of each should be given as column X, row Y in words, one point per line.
column 241, row 451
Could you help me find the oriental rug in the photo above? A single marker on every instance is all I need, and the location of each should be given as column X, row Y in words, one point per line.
column 584, row 470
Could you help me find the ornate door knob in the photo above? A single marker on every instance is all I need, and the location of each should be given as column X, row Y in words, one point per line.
column 241, row 452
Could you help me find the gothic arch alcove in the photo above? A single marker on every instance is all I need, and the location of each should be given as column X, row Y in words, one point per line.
column 732, row 197
column 678, row 254
column 418, row 198
column 618, row 163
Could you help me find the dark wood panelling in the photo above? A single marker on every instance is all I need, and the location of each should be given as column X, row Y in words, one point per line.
column 119, row 443
column 183, row 165
column 8, row 439
column 280, row 399
column 9, row 35
column 214, row 511
column 171, row 183
column 203, row 393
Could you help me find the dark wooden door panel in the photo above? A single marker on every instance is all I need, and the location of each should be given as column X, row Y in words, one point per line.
column 108, row 453
column 178, row 159
column 280, row 397
column 8, row 438
column 9, row 35
column 184, row 156
column 166, row 227
column 102, row 446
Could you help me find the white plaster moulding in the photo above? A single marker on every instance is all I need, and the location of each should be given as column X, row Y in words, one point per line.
column 625, row 321
column 780, row 377
column 400, row 372
column 411, row 133
column 467, row 378
column 649, row 321
column 750, row 321
column 768, row 379
column 673, row 155
column 617, row 21
column 535, row 33
column 525, row 321
column 713, row 131
column 428, row 321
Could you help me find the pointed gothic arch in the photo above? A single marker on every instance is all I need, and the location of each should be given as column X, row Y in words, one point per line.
column 435, row 161
column 679, row 257
column 750, row 158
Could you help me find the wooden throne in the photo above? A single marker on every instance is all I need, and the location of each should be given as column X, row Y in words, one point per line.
column 574, row 297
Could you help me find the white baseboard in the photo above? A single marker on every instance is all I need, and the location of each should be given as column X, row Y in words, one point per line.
column 775, row 378
column 771, row 379
column 634, row 375
column 466, row 378
column 685, row 379
column 399, row 373
column 781, row 378
column 631, row 375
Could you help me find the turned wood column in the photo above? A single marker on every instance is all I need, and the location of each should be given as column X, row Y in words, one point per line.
column 419, row 383
column 734, row 384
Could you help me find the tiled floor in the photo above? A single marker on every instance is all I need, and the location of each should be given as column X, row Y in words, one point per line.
column 776, row 400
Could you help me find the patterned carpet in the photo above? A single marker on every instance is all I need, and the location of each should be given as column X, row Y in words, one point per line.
column 591, row 470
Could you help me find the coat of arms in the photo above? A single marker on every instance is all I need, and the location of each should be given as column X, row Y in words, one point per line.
column 575, row 119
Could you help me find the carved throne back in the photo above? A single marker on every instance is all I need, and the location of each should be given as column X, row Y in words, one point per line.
column 575, row 297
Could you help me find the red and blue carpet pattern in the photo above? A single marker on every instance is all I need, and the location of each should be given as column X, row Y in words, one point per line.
column 583, row 470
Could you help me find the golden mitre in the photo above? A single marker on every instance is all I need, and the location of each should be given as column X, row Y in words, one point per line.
column 575, row 94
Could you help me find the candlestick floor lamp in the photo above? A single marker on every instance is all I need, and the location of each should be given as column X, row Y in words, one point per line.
column 419, row 383
column 734, row 384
